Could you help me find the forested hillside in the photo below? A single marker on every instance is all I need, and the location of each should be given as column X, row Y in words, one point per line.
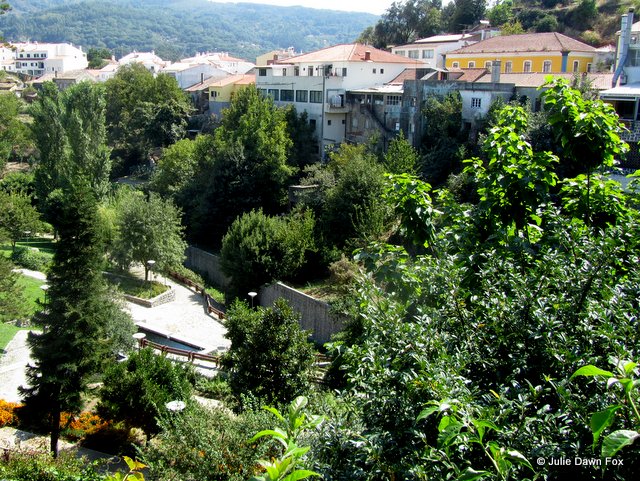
column 592, row 21
column 180, row 28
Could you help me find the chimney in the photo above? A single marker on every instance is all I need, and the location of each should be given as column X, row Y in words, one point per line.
column 623, row 45
column 495, row 71
column 367, row 55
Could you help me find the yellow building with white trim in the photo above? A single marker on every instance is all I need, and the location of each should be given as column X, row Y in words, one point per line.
column 527, row 53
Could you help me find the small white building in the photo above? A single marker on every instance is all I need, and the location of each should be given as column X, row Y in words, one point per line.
column 189, row 74
column 318, row 82
column 431, row 51
column 7, row 59
column 149, row 60
column 221, row 60
column 36, row 59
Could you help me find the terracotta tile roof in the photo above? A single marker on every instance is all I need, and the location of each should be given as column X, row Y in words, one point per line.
column 406, row 74
column 221, row 82
column 527, row 42
column 351, row 52
column 472, row 74
column 600, row 81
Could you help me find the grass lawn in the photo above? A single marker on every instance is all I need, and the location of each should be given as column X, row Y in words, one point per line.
column 46, row 246
column 32, row 292
column 322, row 289
column 7, row 331
column 137, row 287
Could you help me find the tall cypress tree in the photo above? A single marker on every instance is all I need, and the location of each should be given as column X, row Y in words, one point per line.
column 72, row 343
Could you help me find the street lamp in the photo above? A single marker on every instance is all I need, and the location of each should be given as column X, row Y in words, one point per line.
column 176, row 406
column 45, row 288
column 252, row 295
column 150, row 264
column 139, row 336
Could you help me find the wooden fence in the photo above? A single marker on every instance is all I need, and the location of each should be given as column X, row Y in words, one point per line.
column 190, row 355
column 211, row 303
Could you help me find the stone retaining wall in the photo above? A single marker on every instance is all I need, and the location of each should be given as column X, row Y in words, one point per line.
column 207, row 265
column 316, row 315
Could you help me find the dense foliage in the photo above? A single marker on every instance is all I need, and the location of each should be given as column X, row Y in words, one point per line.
column 270, row 357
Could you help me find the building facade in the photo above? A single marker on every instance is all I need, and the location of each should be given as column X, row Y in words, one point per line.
column 37, row 59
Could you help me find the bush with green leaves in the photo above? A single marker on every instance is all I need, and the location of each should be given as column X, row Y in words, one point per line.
column 42, row 467
column 258, row 249
column 269, row 356
column 31, row 258
column 136, row 390
column 203, row 443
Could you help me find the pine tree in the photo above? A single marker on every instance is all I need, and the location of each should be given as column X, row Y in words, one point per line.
column 75, row 320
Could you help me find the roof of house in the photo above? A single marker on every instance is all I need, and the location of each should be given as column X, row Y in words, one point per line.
column 240, row 79
column 599, row 81
column 526, row 42
column 631, row 90
column 445, row 38
column 470, row 74
column 406, row 74
column 350, row 52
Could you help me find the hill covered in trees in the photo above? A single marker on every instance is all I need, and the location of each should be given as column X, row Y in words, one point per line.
column 179, row 28
column 592, row 21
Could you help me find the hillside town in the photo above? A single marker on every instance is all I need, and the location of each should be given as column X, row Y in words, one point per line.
column 353, row 263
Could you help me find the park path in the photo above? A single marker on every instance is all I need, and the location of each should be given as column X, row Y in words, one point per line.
column 12, row 367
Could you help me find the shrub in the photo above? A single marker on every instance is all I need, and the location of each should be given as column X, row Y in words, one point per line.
column 30, row 258
column 42, row 467
column 189, row 274
column 216, row 388
column 83, row 425
column 8, row 416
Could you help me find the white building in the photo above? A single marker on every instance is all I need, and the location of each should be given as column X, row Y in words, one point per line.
column 221, row 60
column 7, row 59
column 149, row 60
column 318, row 82
column 430, row 51
column 189, row 74
column 36, row 59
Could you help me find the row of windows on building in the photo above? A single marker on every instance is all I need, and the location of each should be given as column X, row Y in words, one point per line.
column 29, row 64
column 527, row 66
column 35, row 55
column 416, row 53
column 312, row 96
column 312, row 71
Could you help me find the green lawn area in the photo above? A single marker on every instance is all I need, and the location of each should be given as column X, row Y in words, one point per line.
column 7, row 331
column 46, row 246
column 32, row 291
column 137, row 287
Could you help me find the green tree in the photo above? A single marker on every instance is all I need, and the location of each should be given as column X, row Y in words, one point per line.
column 12, row 301
column 258, row 249
column 149, row 229
column 13, row 132
column 143, row 112
column 269, row 356
column 69, row 131
column 73, row 343
column 466, row 13
column 401, row 157
column 17, row 216
column 137, row 390
column 98, row 57
column 303, row 149
column 500, row 13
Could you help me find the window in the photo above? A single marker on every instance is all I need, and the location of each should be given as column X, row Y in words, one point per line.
column 427, row 53
column 413, row 53
column 487, row 64
column 381, row 70
column 508, row 67
column 472, row 64
column 328, row 122
column 394, row 99
column 476, row 102
column 455, row 65
column 262, row 72
column 286, row 95
column 310, row 71
column 589, row 67
column 213, row 94
column 375, row 70
column 400, row 52
column 302, row 96
column 312, row 123
column 526, row 66
column 546, row 66
column 296, row 71
column 315, row 96
column 274, row 94
column 576, row 66
column 344, row 121
column 344, row 71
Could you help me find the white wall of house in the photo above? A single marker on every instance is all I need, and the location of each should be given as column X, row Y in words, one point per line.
column 36, row 59
column 428, row 54
column 186, row 76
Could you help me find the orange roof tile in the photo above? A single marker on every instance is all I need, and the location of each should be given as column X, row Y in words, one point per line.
column 527, row 42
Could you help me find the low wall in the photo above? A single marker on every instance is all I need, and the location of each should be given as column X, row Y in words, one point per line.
column 207, row 265
column 167, row 296
column 315, row 315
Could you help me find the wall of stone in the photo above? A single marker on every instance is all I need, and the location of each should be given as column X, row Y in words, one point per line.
column 207, row 265
column 315, row 315
column 163, row 298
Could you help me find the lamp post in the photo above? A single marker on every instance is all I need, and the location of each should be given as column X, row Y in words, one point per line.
column 252, row 295
column 176, row 406
column 45, row 288
column 139, row 336
column 149, row 266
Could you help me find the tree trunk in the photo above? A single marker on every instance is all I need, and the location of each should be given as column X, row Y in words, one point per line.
column 55, row 432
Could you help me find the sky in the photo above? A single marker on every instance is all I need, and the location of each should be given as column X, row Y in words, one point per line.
column 376, row 7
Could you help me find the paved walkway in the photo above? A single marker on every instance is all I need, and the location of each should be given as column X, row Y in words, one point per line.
column 12, row 367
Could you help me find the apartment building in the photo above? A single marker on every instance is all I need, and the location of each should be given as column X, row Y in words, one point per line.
column 36, row 59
